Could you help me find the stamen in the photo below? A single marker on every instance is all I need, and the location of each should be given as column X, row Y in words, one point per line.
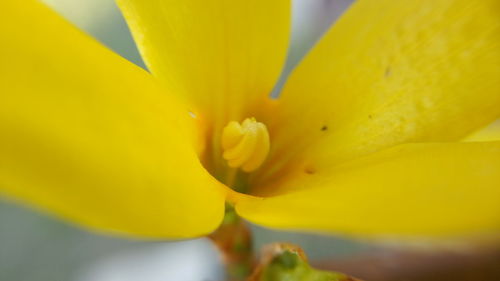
column 245, row 145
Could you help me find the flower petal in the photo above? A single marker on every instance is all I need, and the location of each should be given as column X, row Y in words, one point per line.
column 410, row 190
column 391, row 72
column 91, row 137
column 222, row 56
column 489, row 133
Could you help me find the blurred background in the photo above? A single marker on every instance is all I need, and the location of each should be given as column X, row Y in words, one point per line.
column 34, row 247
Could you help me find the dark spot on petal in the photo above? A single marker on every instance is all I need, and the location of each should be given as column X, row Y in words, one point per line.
column 310, row 170
column 370, row 116
column 387, row 72
column 324, row 128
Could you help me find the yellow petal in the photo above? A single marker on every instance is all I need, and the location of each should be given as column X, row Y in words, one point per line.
column 489, row 133
column 222, row 56
column 391, row 72
column 408, row 190
column 89, row 136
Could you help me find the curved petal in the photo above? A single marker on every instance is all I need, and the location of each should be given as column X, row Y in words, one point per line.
column 489, row 133
column 223, row 56
column 392, row 72
column 89, row 136
column 450, row 189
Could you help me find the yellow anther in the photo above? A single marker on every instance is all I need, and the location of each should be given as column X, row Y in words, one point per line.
column 245, row 145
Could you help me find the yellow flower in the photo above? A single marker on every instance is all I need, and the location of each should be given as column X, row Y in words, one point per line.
column 364, row 139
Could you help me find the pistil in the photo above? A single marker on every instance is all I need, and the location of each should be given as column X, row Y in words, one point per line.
column 245, row 145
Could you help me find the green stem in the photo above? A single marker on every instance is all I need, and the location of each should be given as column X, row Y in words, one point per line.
column 231, row 174
column 233, row 238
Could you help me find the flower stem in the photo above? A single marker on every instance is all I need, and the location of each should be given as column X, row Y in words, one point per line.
column 233, row 238
column 230, row 180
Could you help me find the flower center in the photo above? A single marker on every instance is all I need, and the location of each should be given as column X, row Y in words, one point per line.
column 245, row 145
